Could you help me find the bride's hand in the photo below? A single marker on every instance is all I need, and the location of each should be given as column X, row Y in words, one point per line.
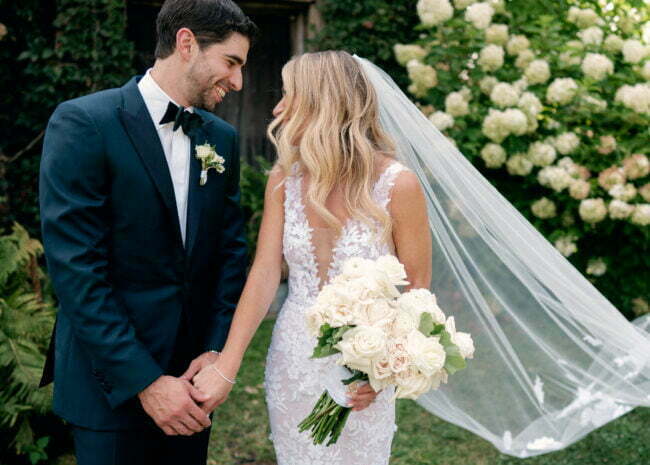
column 215, row 385
column 361, row 398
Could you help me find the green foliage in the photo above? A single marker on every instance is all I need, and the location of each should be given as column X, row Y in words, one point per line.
column 52, row 51
column 26, row 320
column 253, row 185
column 327, row 339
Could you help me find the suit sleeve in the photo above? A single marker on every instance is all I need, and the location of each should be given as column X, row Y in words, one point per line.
column 74, row 187
column 233, row 257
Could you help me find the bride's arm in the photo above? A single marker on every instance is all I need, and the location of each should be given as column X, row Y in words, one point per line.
column 257, row 296
column 408, row 210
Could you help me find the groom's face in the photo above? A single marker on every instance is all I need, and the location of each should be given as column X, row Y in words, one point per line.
column 216, row 70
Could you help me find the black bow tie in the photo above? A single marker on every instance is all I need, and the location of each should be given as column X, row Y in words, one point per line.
column 181, row 118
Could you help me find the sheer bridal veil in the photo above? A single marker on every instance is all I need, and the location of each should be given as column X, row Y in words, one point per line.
column 554, row 359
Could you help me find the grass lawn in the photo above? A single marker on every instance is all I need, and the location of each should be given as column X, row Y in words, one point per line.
column 240, row 431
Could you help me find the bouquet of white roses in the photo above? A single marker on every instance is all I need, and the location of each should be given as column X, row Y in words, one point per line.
column 383, row 337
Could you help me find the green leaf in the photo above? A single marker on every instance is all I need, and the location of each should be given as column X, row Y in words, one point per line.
column 426, row 323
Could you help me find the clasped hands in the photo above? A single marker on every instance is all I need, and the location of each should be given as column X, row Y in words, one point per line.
column 181, row 406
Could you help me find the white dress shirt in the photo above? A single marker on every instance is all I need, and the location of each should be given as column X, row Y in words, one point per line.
column 175, row 144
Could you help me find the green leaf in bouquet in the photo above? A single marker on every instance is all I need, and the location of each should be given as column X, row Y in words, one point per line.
column 356, row 376
column 454, row 361
column 426, row 323
column 327, row 339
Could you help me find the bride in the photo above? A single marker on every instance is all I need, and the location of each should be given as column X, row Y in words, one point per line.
column 554, row 359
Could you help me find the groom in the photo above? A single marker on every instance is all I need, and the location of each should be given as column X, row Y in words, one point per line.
column 144, row 242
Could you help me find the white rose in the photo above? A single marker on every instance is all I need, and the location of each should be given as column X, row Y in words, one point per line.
column 479, row 14
column 380, row 375
column 543, row 208
column 519, row 165
column 427, row 354
column 465, row 344
column 399, row 359
column 418, row 301
column 403, row 323
column 641, row 214
column 541, row 153
column 204, row 151
column 537, row 72
column 561, row 91
column 504, row 95
column 441, row 120
column 619, row 210
column 361, row 345
column 597, row 66
column 497, row 34
column 390, row 265
column 494, row 155
column 491, row 57
column 591, row 36
column 314, row 320
column 408, row 52
column 633, row 51
column 433, row 12
column 517, row 44
column 592, row 210
column 596, row 267
column 411, row 384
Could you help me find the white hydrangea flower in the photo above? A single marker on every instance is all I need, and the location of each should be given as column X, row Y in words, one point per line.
column 462, row 4
column 644, row 191
column 561, row 91
column 611, row 176
column 554, row 177
column 568, row 165
column 524, row 58
column 491, row 57
column 456, row 105
column 594, row 104
column 645, row 71
column 592, row 210
column 636, row 166
column 641, row 215
column 494, row 155
column 623, row 192
column 596, row 267
column 636, row 98
column 569, row 58
column 591, row 36
column 597, row 66
column 407, row 52
column 497, row 34
column 544, row 208
column 537, row 72
column 566, row 142
column 494, row 126
column 530, row 104
column 504, row 95
column 613, row 43
column 442, row 120
column 519, row 165
column 466, row 93
column 607, row 145
column 541, row 153
column 423, row 77
column 517, row 44
column 479, row 14
column 515, row 121
column 620, row 210
column 634, row 51
column 566, row 245
column 583, row 17
column 579, row 189
column 434, row 12
column 487, row 83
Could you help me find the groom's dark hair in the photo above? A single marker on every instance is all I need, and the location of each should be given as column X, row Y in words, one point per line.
column 211, row 21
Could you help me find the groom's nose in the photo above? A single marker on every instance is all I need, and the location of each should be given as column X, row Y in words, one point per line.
column 236, row 79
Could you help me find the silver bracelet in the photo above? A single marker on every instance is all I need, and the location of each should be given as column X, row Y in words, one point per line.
column 222, row 375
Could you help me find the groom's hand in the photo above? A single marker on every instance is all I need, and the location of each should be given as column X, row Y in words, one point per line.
column 173, row 405
column 198, row 363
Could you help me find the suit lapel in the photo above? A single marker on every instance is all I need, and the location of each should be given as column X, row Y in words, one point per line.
column 144, row 137
column 196, row 192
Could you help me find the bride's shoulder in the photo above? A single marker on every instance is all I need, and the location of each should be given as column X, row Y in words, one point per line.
column 406, row 189
column 275, row 182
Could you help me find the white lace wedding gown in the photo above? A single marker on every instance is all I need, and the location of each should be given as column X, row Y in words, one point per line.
column 294, row 381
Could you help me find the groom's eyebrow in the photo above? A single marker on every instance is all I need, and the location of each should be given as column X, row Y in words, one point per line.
column 236, row 59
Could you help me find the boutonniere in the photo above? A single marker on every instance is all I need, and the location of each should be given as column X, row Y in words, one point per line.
column 209, row 159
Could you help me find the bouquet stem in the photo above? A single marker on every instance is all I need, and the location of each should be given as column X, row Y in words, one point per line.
column 327, row 419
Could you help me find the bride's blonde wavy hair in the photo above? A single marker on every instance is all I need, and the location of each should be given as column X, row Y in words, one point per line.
column 330, row 126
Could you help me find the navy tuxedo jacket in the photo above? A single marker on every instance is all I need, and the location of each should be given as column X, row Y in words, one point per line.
column 124, row 280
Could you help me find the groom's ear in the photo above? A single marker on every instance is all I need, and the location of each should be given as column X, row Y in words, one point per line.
column 186, row 44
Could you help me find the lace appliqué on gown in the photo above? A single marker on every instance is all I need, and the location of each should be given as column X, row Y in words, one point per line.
column 293, row 380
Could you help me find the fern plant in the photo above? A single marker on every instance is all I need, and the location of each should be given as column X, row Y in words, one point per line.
column 26, row 319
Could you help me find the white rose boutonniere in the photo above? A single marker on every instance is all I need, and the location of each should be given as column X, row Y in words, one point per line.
column 209, row 158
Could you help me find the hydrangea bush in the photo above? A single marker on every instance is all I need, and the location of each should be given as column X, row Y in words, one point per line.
column 555, row 111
